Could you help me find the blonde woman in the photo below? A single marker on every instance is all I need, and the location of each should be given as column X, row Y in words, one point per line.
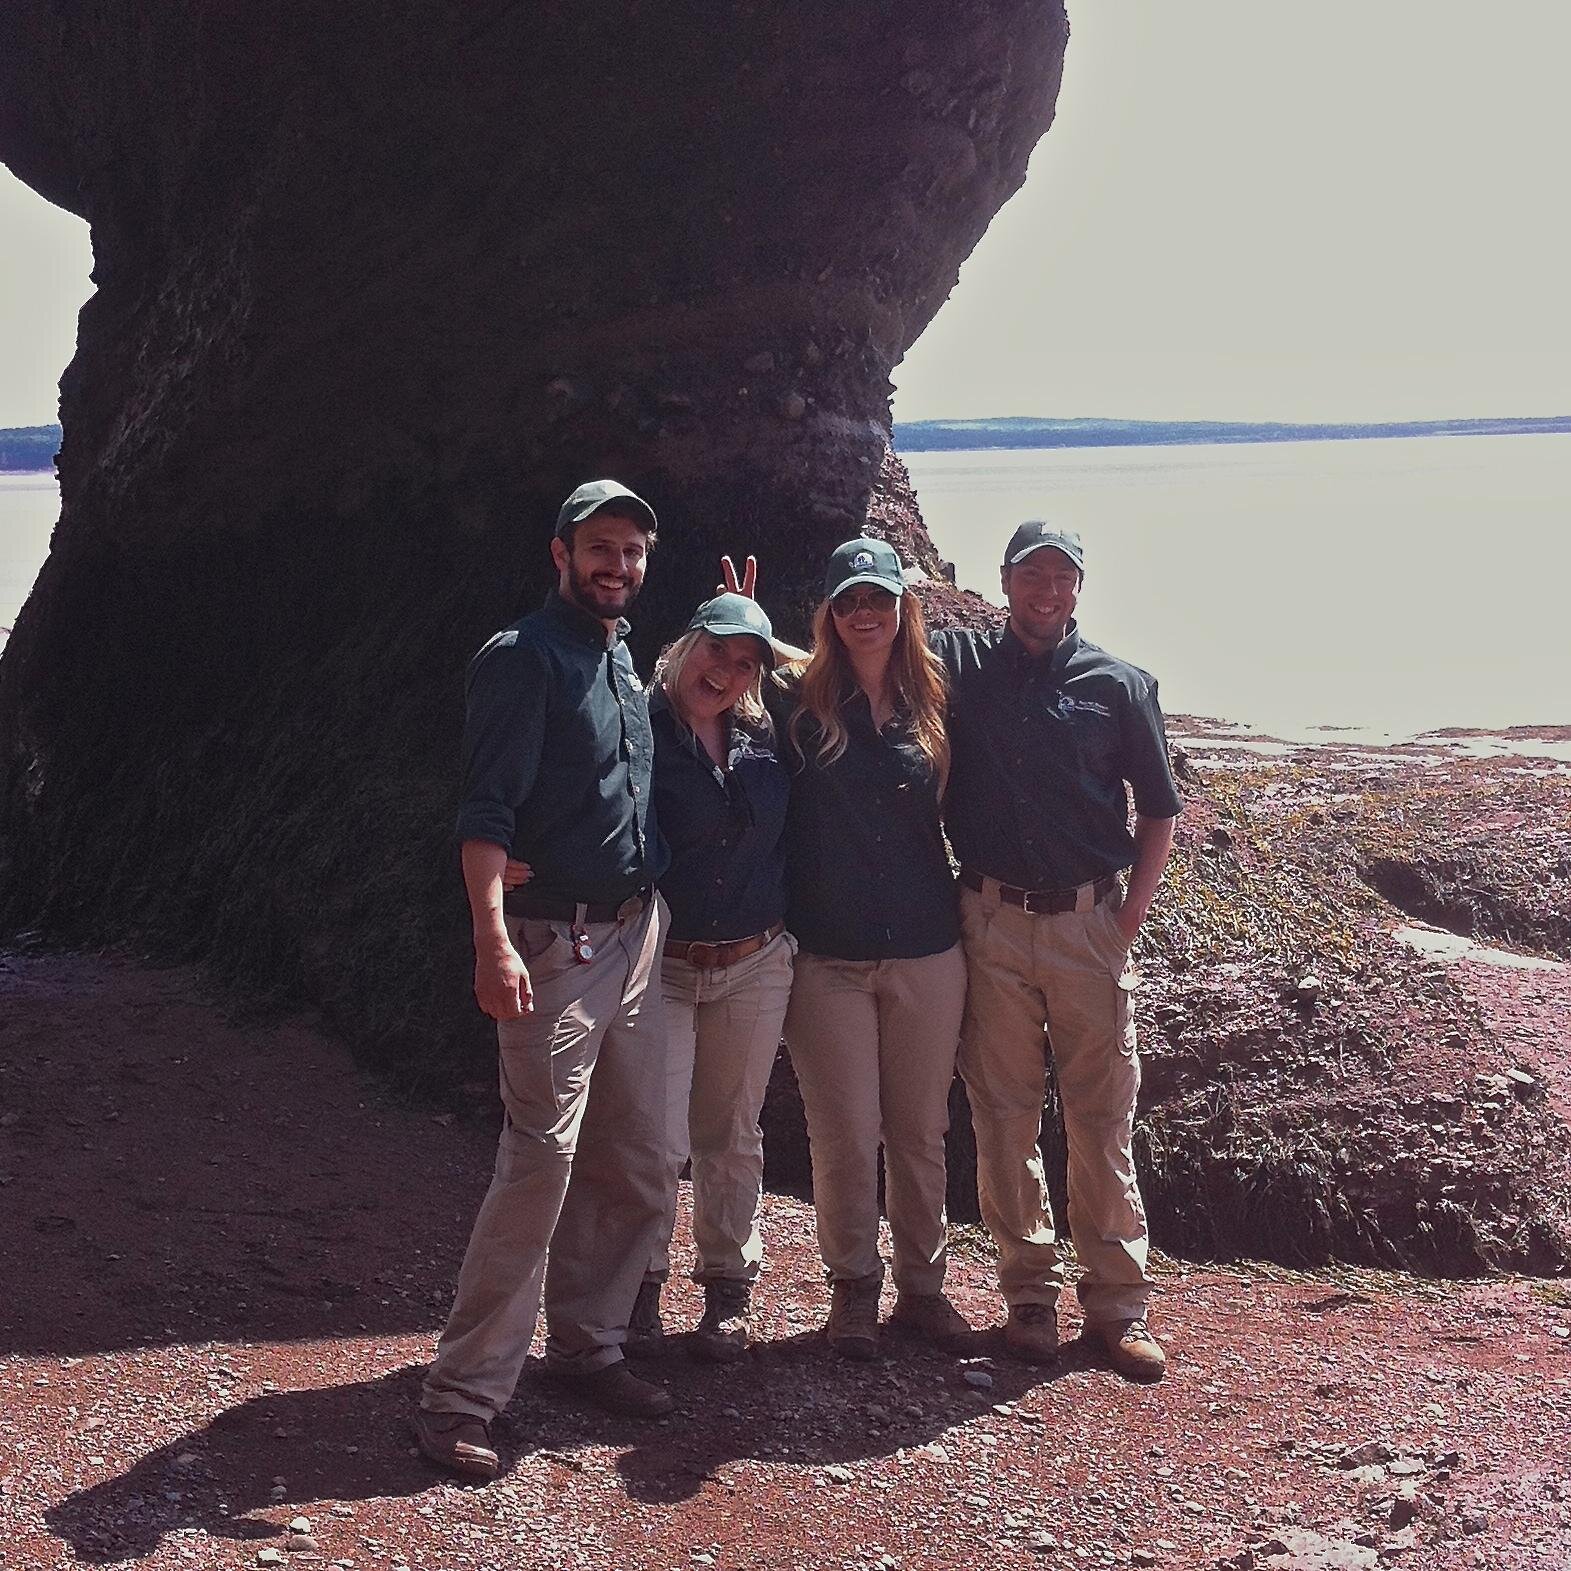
column 879, row 991
column 720, row 797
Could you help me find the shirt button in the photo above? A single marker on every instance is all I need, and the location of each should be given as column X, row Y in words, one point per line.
column 635, row 790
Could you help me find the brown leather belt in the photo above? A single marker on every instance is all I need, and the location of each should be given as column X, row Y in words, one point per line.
column 715, row 957
column 545, row 908
column 1045, row 902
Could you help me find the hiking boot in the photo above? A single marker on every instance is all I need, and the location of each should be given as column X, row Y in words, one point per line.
column 613, row 1388
column 460, row 1442
column 722, row 1334
column 1031, row 1333
column 932, row 1316
column 645, row 1328
column 852, row 1326
column 1133, row 1350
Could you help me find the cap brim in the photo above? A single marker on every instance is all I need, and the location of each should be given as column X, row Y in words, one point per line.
column 737, row 630
column 895, row 586
column 1045, row 545
column 634, row 505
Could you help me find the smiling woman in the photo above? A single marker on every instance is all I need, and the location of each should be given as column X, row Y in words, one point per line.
column 875, row 1009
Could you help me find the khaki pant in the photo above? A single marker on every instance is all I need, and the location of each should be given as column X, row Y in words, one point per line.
column 581, row 1167
column 873, row 1043
column 722, row 1033
column 1070, row 973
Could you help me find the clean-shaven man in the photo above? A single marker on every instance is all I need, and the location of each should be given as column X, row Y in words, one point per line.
column 1049, row 737
column 557, row 757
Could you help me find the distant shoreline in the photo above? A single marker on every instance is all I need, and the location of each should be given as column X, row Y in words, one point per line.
column 1026, row 432
column 30, row 450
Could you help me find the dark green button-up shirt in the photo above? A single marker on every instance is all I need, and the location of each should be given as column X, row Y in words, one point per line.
column 558, row 756
column 1045, row 752
column 867, row 876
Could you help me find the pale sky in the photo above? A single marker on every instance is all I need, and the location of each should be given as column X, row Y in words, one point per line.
column 1247, row 209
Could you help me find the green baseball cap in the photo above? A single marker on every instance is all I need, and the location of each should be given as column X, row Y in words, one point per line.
column 733, row 616
column 864, row 561
column 1035, row 534
column 596, row 494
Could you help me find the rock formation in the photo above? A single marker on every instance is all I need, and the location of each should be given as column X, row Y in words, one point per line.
column 375, row 287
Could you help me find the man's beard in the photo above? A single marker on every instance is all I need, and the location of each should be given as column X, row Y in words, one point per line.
column 588, row 595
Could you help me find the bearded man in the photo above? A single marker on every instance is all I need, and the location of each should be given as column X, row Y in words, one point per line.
column 557, row 758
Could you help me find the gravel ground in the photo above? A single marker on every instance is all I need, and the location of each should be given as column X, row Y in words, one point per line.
column 227, row 1254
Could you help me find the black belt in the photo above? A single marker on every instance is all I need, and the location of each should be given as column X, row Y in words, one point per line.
column 545, row 908
column 1042, row 902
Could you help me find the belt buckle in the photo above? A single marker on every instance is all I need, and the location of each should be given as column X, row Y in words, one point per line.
column 695, row 948
column 1028, row 902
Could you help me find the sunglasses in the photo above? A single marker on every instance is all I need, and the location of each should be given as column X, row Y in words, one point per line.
column 852, row 601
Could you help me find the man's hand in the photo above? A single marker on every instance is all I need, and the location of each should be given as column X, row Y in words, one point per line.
column 1153, row 846
column 502, row 986
column 729, row 583
column 501, row 978
column 1128, row 923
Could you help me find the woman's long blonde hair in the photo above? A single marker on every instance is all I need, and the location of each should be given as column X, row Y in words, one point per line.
column 668, row 672
column 916, row 674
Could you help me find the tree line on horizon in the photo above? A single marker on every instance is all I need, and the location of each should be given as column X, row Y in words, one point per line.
column 29, row 448
column 32, row 448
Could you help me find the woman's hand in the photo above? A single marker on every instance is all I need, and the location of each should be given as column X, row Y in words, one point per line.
column 729, row 584
column 516, row 874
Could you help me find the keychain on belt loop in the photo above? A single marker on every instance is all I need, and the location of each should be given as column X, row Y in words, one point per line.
column 578, row 937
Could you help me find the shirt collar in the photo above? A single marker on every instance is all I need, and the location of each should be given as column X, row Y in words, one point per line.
column 581, row 624
column 1055, row 659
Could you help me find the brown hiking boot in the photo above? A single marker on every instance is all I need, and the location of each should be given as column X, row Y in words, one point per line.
column 645, row 1328
column 852, row 1326
column 613, row 1388
column 460, row 1442
column 1031, row 1333
column 1134, row 1351
column 723, row 1333
column 932, row 1316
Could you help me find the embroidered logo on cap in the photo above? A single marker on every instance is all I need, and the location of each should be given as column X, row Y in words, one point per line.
column 862, row 559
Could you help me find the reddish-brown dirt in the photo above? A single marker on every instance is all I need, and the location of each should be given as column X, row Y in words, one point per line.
column 227, row 1254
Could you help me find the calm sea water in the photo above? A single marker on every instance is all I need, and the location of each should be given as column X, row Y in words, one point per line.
column 1392, row 586
column 29, row 506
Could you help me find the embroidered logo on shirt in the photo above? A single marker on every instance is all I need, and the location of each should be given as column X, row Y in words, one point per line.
column 1068, row 706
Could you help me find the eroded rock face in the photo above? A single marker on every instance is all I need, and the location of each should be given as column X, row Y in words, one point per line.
column 375, row 287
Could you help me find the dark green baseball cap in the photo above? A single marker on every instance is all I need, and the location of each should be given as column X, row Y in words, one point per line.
column 864, row 561
column 1037, row 533
column 589, row 498
column 734, row 616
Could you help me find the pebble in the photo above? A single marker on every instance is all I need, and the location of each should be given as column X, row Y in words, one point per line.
column 269, row 1557
column 301, row 1544
column 301, row 1524
column 978, row 1379
column 1363, row 1455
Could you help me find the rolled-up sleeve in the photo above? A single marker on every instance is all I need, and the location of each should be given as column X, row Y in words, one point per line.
column 504, row 729
column 1146, row 765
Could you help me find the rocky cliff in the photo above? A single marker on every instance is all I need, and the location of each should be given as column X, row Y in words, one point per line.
column 375, row 287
